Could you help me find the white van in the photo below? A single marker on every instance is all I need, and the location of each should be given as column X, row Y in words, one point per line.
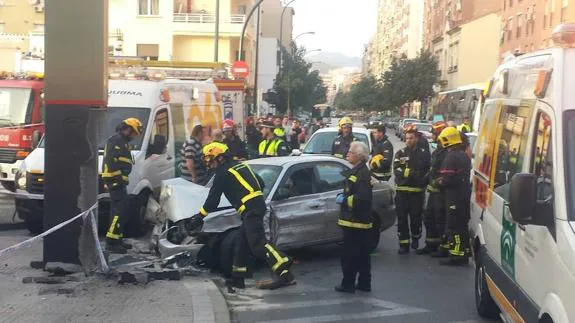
column 168, row 110
column 523, row 204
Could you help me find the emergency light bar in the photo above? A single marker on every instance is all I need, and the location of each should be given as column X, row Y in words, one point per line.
column 135, row 69
column 29, row 76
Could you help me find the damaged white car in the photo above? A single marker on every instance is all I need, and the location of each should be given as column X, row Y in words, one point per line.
column 300, row 194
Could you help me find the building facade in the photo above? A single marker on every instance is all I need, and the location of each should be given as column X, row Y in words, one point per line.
column 399, row 34
column 527, row 25
column 462, row 34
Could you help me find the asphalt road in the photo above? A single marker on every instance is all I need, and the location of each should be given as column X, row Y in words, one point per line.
column 407, row 288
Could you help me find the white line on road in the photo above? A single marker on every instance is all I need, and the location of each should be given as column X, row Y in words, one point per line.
column 263, row 306
column 356, row 316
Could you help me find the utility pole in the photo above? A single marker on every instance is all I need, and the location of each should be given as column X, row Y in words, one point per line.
column 242, row 36
column 217, row 33
column 76, row 95
column 256, row 68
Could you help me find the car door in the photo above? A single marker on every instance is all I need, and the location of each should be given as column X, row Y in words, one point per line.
column 536, row 244
column 330, row 183
column 159, row 159
column 296, row 209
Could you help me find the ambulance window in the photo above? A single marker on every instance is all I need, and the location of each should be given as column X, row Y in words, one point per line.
column 542, row 163
column 510, row 145
column 160, row 127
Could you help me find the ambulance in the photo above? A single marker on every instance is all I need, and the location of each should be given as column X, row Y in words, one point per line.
column 168, row 108
column 523, row 203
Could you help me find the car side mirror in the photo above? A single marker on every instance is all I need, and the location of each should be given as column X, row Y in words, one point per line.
column 296, row 152
column 523, row 197
column 158, row 146
column 524, row 204
column 36, row 136
column 283, row 193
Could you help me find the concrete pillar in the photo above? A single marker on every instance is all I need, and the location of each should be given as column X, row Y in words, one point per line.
column 76, row 95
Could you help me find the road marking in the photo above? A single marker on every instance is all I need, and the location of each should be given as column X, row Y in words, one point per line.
column 357, row 316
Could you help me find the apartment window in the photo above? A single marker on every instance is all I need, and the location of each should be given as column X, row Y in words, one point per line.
column 148, row 7
column 510, row 29
column 519, row 25
column 148, row 51
column 453, row 57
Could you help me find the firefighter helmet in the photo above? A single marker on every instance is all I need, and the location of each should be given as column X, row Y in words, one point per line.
column 213, row 150
column 345, row 121
column 409, row 128
column 375, row 162
column 438, row 127
column 449, row 137
column 228, row 125
column 134, row 124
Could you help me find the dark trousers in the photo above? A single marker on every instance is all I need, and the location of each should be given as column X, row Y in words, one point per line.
column 252, row 238
column 434, row 219
column 355, row 258
column 457, row 227
column 409, row 206
column 119, row 202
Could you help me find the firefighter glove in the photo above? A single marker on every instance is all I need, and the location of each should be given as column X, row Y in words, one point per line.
column 339, row 198
column 195, row 222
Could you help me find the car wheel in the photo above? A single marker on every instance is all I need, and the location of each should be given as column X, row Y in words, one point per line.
column 34, row 222
column 9, row 186
column 227, row 249
column 137, row 226
column 374, row 233
column 485, row 305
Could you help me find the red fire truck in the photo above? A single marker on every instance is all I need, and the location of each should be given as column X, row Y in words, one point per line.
column 21, row 121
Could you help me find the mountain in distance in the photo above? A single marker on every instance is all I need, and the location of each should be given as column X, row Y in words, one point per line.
column 326, row 61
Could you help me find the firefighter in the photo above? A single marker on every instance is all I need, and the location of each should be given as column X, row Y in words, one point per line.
column 434, row 213
column 340, row 145
column 116, row 169
column 237, row 148
column 355, row 220
column 464, row 127
column 454, row 180
column 410, row 165
column 271, row 145
column 382, row 153
column 243, row 189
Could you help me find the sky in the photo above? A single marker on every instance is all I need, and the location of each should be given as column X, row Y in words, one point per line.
column 343, row 26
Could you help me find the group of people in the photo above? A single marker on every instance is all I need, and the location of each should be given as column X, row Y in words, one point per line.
column 444, row 174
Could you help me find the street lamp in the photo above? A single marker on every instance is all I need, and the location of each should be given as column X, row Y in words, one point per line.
column 312, row 51
column 282, row 30
column 306, row 33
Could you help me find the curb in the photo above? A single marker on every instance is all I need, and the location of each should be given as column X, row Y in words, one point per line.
column 12, row 226
column 208, row 303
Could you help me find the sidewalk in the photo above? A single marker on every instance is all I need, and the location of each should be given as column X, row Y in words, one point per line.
column 95, row 299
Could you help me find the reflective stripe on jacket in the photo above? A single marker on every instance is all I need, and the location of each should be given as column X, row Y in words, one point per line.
column 356, row 210
column 117, row 161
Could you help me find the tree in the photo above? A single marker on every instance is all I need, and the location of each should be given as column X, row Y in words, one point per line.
column 296, row 77
column 410, row 79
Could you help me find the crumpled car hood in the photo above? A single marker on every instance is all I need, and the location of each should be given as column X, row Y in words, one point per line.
column 180, row 199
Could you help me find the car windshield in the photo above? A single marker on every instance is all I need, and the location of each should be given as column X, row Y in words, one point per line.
column 423, row 127
column 113, row 118
column 269, row 174
column 321, row 142
column 569, row 149
column 15, row 105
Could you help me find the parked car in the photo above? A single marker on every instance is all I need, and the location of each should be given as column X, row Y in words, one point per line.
column 425, row 129
column 374, row 122
column 300, row 194
column 401, row 124
column 321, row 141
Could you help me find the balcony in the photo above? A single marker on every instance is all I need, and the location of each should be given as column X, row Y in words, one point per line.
column 204, row 23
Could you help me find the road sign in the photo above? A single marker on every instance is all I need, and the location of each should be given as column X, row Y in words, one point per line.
column 240, row 69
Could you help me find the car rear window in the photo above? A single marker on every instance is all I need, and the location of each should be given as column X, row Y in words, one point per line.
column 320, row 143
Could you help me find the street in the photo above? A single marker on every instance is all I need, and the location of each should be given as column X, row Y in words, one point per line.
column 408, row 288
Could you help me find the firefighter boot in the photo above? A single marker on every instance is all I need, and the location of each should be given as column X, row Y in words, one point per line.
column 235, row 282
column 403, row 249
column 115, row 246
column 344, row 289
column 284, row 280
column 126, row 245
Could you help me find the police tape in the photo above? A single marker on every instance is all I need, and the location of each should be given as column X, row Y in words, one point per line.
column 4, row 253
